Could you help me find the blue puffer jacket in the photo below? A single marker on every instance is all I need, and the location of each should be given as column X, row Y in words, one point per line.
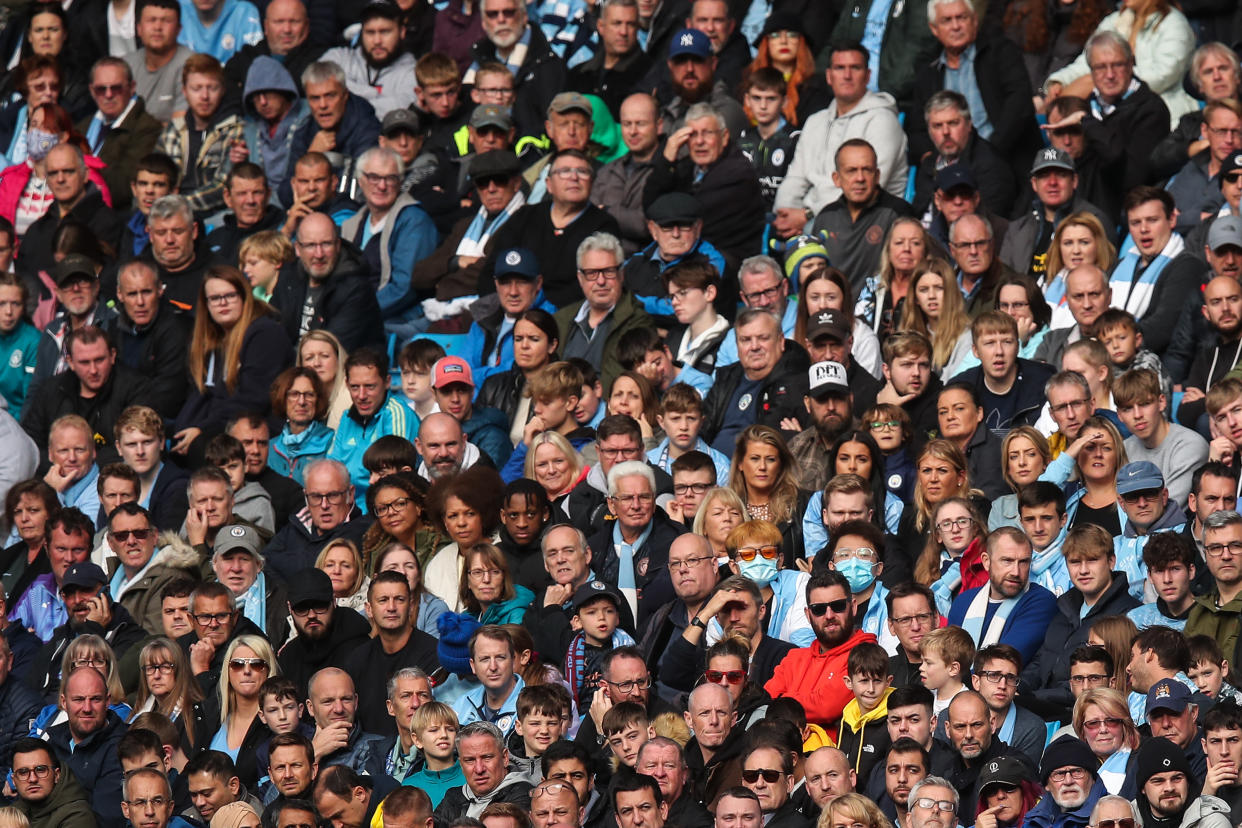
column 481, row 339
column 488, row 428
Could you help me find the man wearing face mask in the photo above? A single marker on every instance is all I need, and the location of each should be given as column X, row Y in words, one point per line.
column 857, row 552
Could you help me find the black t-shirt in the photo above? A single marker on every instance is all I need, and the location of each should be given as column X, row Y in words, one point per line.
column 998, row 409
column 592, row 672
column 1105, row 518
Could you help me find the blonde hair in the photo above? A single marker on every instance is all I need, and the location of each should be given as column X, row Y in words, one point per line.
column 784, row 495
column 886, row 263
column 261, row 648
column 1105, row 253
column 93, row 646
column 553, row 438
column 953, row 322
column 344, row 543
column 1113, row 705
column 729, row 496
column 947, row 451
column 857, row 809
column 13, row 817
column 268, row 245
column 1039, row 441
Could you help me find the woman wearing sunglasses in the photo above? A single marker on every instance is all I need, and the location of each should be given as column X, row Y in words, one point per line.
column 248, row 662
column 755, row 552
column 1113, row 812
column 1102, row 720
column 728, row 664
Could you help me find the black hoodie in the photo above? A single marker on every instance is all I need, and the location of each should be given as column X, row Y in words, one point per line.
column 302, row 657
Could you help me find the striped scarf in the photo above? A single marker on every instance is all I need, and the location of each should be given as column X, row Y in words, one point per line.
column 575, row 659
column 1132, row 291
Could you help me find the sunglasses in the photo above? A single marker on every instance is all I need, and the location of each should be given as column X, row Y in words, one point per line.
column 1233, row 177
column 770, row 776
column 1124, row 822
column 839, row 606
column 243, row 663
column 122, row 535
column 747, row 553
column 725, row 676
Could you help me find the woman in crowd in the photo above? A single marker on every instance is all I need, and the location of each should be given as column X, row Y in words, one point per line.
column 166, row 685
column 754, row 550
column 29, row 507
column 236, row 352
column 784, row 47
column 398, row 502
column 854, row 810
column 882, row 298
column 939, row 313
column 467, row 506
column 248, row 662
column 18, row 338
column 1102, row 720
column 343, row 563
column 299, row 400
column 765, row 476
column 47, row 38
column 720, row 512
column 1025, row 455
column 854, row 452
column 951, row 559
column 1088, row 471
column 556, row 465
column 1079, row 239
column 488, row 591
column 632, row 395
column 399, row 557
column 826, row 288
column 535, row 343
column 323, row 353
column 941, row 473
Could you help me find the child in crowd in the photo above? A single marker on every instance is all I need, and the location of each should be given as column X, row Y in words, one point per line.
column 250, row 500
column 768, row 145
column 863, row 737
column 681, row 417
column 626, row 728
column 591, row 408
column 434, row 725
column 261, row 257
column 890, row 427
column 280, row 708
column 555, row 391
column 1119, row 333
column 1208, row 668
column 415, row 360
column 947, row 654
column 540, row 722
column 597, row 612
column 388, row 455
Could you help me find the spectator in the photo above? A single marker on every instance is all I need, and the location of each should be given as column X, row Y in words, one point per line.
column 253, row 433
column 46, row 794
column 332, row 702
column 1009, row 386
column 956, row 140
column 142, row 574
column 675, row 225
column 326, row 634
column 121, row 131
column 1088, row 293
column 330, row 514
column 237, row 562
column 286, row 39
column 1222, row 544
column 351, row 799
column 483, row 757
column 315, row 186
column 1216, row 75
column 1196, row 186
column 378, row 70
column 221, row 28
column 77, row 295
column 86, row 743
column 618, row 64
column 897, row 45
column 152, row 339
column 158, row 63
column 1222, row 309
column 274, row 110
column 542, row 73
column 250, row 211
column 619, row 183
column 1076, row 795
column 692, row 69
column 180, row 257
column 298, row 399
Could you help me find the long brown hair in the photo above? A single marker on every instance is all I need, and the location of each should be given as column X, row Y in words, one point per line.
column 947, row 451
column 210, row 338
column 785, row 492
column 927, row 569
column 185, row 687
column 953, row 317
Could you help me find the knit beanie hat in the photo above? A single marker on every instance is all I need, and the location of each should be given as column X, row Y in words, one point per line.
column 798, row 255
column 1068, row 751
column 1159, row 756
column 454, row 647
column 231, row 815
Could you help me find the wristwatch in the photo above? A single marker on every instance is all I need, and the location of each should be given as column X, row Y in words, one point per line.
column 697, row 622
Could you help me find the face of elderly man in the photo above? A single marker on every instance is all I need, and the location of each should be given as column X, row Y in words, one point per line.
column 555, row 805
column 381, row 182
column 317, row 246
column 710, row 715
column 327, row 101
column 441, row 444
column 504, row 21
column 1111, row 71
column 599, row 276
column 329, row 496
column 633, row 503
column 66, row 176
column 760, row 345
column 707, row 140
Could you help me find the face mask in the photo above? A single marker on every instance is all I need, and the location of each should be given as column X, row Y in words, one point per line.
column 858, row 573
column 40, row 143
column 760, row 570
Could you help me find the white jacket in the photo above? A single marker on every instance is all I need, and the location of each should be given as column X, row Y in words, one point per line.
column 1162, row 54
column 808, row 183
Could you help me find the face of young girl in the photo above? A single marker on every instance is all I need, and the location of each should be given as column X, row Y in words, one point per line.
column 930, row 295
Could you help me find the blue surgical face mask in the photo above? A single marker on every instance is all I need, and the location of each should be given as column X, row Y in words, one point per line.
column 40, row 143
column 860, row 574
column 760, row 570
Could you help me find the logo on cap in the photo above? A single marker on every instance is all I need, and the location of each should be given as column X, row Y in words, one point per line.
column 452, row 368
column 513, row 258
column 1050, row 154
column 1165, row 761
column 687, row 39
column 598, row 585
column 238, row 531
column 1162, row 692
column 993, row 767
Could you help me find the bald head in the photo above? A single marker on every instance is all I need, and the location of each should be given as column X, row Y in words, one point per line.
column 1087, row 294
column 828, row 774
column 1222, row 304
column 285, row 25
column 442, row 444
column 332, row 697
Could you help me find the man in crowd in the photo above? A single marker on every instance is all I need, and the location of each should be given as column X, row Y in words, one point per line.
column 44, row 789
column 540, row 73
column 484, row 760
column 619, row 183
column 1215, row 613
column 250, row 210
column 180, row 256
column 1068, row 771
column 378, row 69
column 85, row 744
column 618, row 65
column 121, row 131
column 157, row 63
column 326, row 634
column 955, row 141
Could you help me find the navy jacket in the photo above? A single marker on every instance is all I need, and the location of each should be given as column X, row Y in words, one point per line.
column 1025, row 627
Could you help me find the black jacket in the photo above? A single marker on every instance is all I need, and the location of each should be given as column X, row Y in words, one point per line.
column 992, row 173
column 611, row 85
column 780, row 396
column 95, row 764
column 964, row 778
column 122, row 149
column 684, row 663
column 296, row 545
column 1028, row 388
column 454, row 804
column 655, row 587
column 347, row 307
column 37, row 248
column 371, row 668
column 1181, row 278
column 19, row 705
column 294, row 62
column 540, row 78
column 1125, row 140
column 61, row 395
column 226, row 239
column 1018, row 248
column 157, row 351
column 1210, row 366
column 301, row 658
column 169, row 503
column 550, row 628
column 984, row 459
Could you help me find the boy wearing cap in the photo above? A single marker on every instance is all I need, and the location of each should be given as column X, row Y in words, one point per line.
column 378, row 69
column 597, row 610
column 1144, row 500
column 488, row 428
column 1175, row 450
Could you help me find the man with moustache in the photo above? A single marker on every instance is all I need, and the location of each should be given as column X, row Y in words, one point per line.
column 830, row 402
column 970, row 733
column 1068, row 773
column 1168, row 790
column 903, row 767
column 326, row 634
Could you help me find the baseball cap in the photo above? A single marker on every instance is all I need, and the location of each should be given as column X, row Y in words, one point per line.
column 237, row 536
column 1168, row 694
column 827, row 378
column 74, row 267
column 1226, row 230
column 596, row 589
column 310, row 586
column 570, row 102
column 380, row 8
column 1004, row 770
column 85, row 574
column 955, row 175
column 827, row 323
column 1051, row 158
column 492, row 115
column 690, row 42
column 1232, row 163
column 675, row 208
column 516, row 261
column 451, row 369
column 401, row 119
column 492, row 163
column 1139, row 476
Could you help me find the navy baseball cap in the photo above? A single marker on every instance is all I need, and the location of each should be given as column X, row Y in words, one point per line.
column 1168, row 694
column 690, row 42
column 516, row 261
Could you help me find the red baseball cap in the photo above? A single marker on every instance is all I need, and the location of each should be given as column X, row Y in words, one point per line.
column 449, row 370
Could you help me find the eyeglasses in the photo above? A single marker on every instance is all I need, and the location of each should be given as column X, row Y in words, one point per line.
column 307, row 609
column 1077, row 774
column 1115, row 66
column 927, row 803
column 387, row 180
column 601, row 274
column 748, row 553
column 164, row 668
column 1143, row 494
column 479, row 573
column 156, row 802
column 301, row 395
column 382, row 509
column 725, row 676
column 486, row 181
column 689, row 563
column 1093, row 678
column 1221, row 132
column 885, row 425
column 996, row 677
column 335, row 498
column 863, row 553
column 838, row 607
column 224, row 298
column 759, row 295
column 1006, row 307
column 122, row 535
column 240, row 664
column 38, row 771
column 107, row 90
column 634, row 499
column 617, row 453
column 571, row 172
column 924, row 618
column 211, row 618
column 954, row 523
column 770, row 776
column 630, row 686
column 1066, row 406
column 680, row 489
column 1124, row 822
column 90, row 661
column 977, row 244
column 1215, row 550
column 496, row 14
column 1100, row 724
column 494, row 91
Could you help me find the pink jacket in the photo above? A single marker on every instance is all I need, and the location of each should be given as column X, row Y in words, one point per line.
column 13, row 181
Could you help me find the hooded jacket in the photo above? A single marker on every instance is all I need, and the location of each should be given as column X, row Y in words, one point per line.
column 289, row 453
column 386, row 88
column 863, row 736
column 65, row 807
column 815, row 677
column 460, row 801
column 301, row 657
column 172, row 560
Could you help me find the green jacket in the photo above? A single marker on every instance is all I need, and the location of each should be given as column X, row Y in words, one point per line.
column 65, row 807
column 1220, row 623
column 626, row 316
column 908, row 44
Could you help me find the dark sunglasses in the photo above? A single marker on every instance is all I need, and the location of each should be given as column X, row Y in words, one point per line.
column 122, row 535
column 1124, row 822
column 770, row 776
column 725, row 676
column 1233, row 177
column 837, row 607
column 485, row 181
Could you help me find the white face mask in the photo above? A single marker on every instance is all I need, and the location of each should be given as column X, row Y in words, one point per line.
column 40, row 143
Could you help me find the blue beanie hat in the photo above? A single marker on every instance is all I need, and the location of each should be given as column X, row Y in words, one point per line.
column 454, row 647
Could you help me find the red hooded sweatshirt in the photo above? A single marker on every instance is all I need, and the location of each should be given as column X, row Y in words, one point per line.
column 816, row 678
